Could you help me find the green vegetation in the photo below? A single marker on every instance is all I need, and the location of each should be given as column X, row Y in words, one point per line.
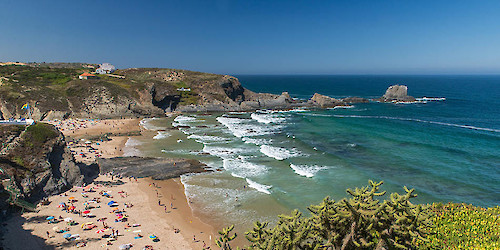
column 461, row 226
column 225, row 238
column 36, row 135
column 55, row 86
column 364, row 222
column 18, row 160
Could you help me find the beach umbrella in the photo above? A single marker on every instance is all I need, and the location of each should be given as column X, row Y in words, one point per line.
column 153, row 237
column 62, row 203
column 68, row 219
column 50, row 218
column 66, row 236
column 55, row 228
column 86, row 212
column 111, row 202
column 71, row 198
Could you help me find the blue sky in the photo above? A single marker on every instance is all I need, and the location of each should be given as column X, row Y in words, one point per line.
column 259, row 37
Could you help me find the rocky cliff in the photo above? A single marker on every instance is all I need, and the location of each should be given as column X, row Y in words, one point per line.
column 54, row 91
column 37, row 161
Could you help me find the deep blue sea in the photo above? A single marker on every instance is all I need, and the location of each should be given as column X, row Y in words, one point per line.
column 274, row 161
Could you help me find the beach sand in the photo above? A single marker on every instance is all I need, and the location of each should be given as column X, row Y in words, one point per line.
column 145, row 211
column 29, row 231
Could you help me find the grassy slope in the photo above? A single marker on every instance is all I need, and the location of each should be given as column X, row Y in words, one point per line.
column 53, row 87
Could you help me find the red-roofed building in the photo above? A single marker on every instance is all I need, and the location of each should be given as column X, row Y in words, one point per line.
column 86, row 76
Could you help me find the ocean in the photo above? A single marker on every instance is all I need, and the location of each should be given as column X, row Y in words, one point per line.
column 270, row 162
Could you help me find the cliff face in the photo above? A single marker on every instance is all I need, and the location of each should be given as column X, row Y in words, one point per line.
column 56, row 92
column 37, row 160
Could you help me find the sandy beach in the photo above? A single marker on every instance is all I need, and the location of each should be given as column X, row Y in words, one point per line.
column 144, row 213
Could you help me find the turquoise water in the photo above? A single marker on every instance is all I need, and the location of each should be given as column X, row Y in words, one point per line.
column 272, row 162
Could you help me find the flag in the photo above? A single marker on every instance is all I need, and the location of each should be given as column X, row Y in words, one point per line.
column 25, row 106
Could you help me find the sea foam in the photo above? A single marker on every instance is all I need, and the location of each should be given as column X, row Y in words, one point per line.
column 161, row 135
column 207, row 138
column 267, row 118
column 241, row 127
column 259, row 187
column 305, row 170
column 130, row 147
column 242, row 169
column 145, row 123
column 277, row 153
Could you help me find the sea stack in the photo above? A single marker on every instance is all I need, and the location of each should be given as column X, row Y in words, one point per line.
column 398, row 93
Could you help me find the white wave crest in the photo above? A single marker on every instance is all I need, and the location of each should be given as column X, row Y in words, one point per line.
column 130, row 147
column 256, row 141
column 182, row 118
column 307, row 171
column 419, row 120
column 267, row 118
column 207, row 138
column 278, row 153
column 242, row 169
column 342, row 107
column 259, row 187
column 161, row 135
column 241, row 128
column 222, row 152
column 145, row 123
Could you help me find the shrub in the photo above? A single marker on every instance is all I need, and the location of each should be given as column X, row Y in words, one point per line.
column 360, row 222
column 39, row 133
column 461, row 226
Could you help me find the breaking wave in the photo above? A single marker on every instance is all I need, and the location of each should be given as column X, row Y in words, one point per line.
column 259, row 187
column 278, row 153
column 305, row 170
column 161, row 135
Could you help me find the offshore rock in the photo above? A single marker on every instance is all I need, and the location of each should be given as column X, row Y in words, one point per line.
column 156, row 168
column 323, row 101
column 355, row 99
column 396, row 93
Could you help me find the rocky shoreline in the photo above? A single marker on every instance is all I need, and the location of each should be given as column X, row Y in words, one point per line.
column 156, row 168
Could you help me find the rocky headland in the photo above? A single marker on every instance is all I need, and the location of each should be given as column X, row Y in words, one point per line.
column 55, row 91
column 35, row 162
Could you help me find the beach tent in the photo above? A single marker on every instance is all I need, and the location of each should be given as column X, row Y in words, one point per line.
column 111, row 203
column 67, row 236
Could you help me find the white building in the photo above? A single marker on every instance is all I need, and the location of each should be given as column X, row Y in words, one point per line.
column 105, row 68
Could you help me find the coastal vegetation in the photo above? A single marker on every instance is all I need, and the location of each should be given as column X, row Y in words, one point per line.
column 57, row 87
column 365, row 222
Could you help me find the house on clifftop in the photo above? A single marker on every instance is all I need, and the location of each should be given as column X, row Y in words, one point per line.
column 105, row 68
column 86, row 76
